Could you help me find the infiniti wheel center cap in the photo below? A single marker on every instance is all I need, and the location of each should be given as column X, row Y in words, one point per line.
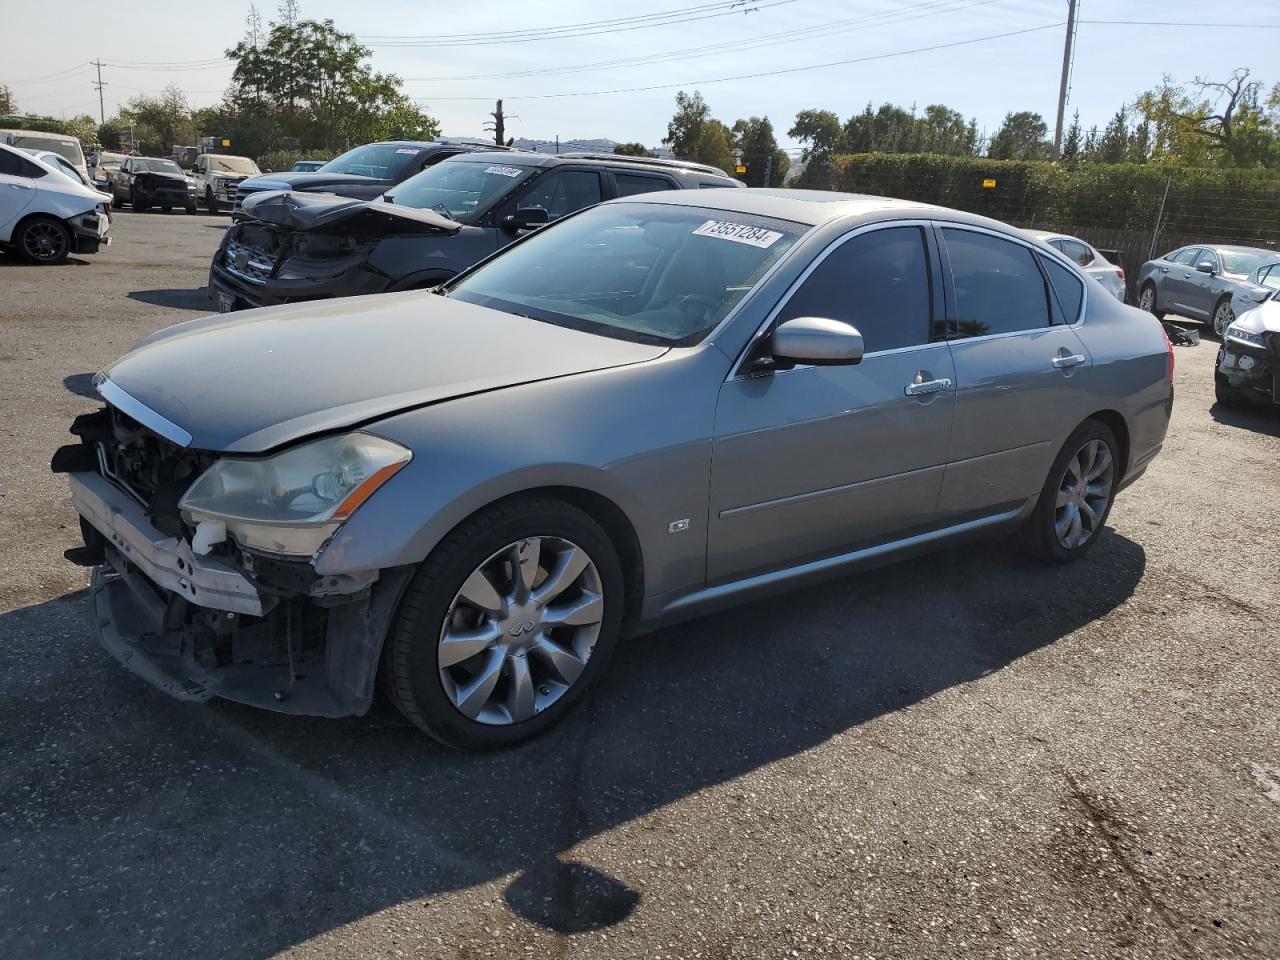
column 522, row 623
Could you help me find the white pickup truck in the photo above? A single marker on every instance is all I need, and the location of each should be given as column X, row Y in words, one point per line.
column 217, row 176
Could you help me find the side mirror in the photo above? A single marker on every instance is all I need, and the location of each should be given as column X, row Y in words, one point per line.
column 817, row 341
column 526, row 218
column 1204, row 266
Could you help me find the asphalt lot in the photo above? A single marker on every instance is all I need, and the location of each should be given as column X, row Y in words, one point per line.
column 960, row 756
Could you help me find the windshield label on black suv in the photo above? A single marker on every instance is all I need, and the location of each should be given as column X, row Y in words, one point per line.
column 738, row 233
column 504, row 171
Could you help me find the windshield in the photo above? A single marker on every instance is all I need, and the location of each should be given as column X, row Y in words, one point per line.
column 63, row 148
column 156, row 166
column 458, row 188
column 234, row 165
column 383, row 161
column 636, row 271
column 1243, row 261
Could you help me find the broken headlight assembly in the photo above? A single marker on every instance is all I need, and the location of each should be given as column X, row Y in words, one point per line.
column 1237, row 333
column 289, row 504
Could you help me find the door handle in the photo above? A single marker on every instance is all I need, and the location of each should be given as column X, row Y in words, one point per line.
column 1164, row 269
column 1064, row 363
column 929, row 386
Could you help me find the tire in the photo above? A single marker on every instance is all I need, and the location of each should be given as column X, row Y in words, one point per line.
column 43, row 240
column 116, row 202
column 1223, row 316
column 140, row 202
column 209, row 202
column 1149, row 290
column 515, row 641
column 165, row 208
column 191, row 206
column 1043, row 536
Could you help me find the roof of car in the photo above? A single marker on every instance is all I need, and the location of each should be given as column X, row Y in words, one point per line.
column 803, row 206
column 528, row 158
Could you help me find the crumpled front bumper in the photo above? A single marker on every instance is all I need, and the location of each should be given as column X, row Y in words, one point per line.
column 199, row 627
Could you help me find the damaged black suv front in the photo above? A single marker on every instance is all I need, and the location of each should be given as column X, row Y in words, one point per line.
column 1248, row 365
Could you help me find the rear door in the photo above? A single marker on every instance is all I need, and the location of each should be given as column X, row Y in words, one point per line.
column 17, row 189
column 1017, row 361
column 816, row 461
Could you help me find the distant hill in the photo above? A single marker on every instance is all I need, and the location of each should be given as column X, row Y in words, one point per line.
column 598, row 145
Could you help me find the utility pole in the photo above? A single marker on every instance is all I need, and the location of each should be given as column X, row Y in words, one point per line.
column 1066, row 77
column 102, row 110
column 768, row 170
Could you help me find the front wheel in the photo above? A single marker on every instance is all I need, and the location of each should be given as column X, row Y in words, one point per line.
column 1226, row 394
column 191, row 205
column 1077, row 495
column 140, row 202
column 507, row 624
column 1147, row 301
column 209, row 202
column 43, row 240
column 1223, row 317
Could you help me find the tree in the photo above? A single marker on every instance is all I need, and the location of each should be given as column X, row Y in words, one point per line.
column 1022, row 136
column 694, row 135
column 819, row 131
column 1213, row 122
column 759, row 152
column 1114, row 145
column 158, row 122
column 1072, row 142
column 7, row 103
column 632, row 150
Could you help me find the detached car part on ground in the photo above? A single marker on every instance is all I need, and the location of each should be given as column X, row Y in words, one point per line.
column 657, row 407
column 146, row 182
column 292, row 246
column 1200, row 282
column 45, row 216
column 1248, row 370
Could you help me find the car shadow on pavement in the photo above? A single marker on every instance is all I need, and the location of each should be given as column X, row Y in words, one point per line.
column 196, row 298
column 134, row 825
column 1258, row 419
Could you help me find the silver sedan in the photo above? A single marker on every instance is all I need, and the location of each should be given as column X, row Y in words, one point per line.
column 654, row 408
column 1200, row 282
column 1088, row 259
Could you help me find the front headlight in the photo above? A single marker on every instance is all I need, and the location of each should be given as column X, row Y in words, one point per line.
column 291, row 503
column 1239, row 334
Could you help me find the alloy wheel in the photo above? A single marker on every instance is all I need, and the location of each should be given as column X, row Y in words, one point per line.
column 1084, row 494
column 44, row 241
column 1223, row 317
column 520, row 630
column 1147, row 300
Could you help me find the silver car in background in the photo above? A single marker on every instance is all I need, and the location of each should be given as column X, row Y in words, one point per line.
column 1200, row 282
column 1088, row 259
column 1261, row 286
column 656, row 407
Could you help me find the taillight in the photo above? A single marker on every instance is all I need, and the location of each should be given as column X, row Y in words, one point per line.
column 1120, row 272
column 1168, row 348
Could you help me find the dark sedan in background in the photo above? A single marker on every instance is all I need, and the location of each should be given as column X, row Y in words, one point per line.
column 1199, row 282
column 290, row 246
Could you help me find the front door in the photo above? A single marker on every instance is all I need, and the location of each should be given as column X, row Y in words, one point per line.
column 560, row 192
column 1019, row 368
column 1177, row 289
column 816, row 461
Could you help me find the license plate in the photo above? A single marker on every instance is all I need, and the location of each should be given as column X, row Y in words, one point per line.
column 226, row 302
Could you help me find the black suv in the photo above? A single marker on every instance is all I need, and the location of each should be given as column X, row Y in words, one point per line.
column 289, row 246
column 363, row 172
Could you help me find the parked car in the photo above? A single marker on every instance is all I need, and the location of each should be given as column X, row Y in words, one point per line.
column 1199, row 282
column 289, row 246
column 653, row 408
column 146, row 182
column 1263, row 282
column 366, row 171
column 1087, row 258
column 1248, row 366
column 218, row 177
column 101, row 165
column 45, row 216
column 66, row 146
column 307, row 166
column 60, row 164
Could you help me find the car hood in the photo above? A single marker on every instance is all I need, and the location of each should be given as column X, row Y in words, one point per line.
column 253, row 381
column 1264, row 318
column 312, row 182
column 160, row 175
column 303, row 211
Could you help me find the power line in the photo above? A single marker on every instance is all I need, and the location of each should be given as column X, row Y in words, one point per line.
column 566, row 34
column 828, row 28
column 770, row 73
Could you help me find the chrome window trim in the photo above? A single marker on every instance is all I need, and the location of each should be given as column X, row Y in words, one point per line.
column 141, row 412
column 735, row 371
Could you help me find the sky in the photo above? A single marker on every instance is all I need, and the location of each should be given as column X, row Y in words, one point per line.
column 980, row 57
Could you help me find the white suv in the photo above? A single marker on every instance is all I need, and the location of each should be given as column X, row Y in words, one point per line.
column 44, row 215
column 218, row 176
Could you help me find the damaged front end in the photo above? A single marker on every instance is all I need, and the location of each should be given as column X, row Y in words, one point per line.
column 291, row 247
column 1248, row 366
column 189, row 605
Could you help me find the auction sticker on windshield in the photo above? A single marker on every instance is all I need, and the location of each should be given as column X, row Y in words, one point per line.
column 504, row 171
column 738, row 233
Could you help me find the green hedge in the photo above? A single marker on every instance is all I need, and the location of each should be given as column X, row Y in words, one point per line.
column 1220, row 205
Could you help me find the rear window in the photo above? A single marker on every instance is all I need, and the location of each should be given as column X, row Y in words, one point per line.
column 629, row 184
column 1067, row 288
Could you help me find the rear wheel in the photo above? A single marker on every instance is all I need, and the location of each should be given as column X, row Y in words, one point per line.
column 43, row 240
column 1077, row 495
column 1147, row 300
column 506, row 625
column 1223, row 317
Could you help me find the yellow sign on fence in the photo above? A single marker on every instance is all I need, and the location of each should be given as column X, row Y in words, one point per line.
column 988, row 184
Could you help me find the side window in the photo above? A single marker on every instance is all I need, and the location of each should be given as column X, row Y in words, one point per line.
column 998, row 285
column 1270, row 277
column 562, row 192
column 629, row 184
column 1055, row 243
column 1186, row 257
column 1206, row 256
column 1077, row 251
column 877, row 281
column 1067, row 288
column 15, row 166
